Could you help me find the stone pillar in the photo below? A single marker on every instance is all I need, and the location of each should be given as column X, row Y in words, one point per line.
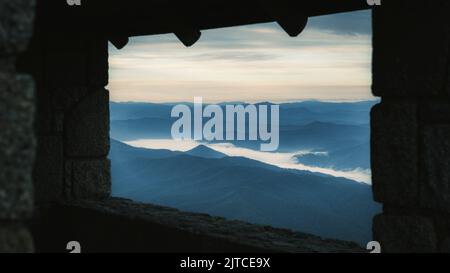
column 411, row 126
column 70, row 65
column 73, row 120
column 17, row 141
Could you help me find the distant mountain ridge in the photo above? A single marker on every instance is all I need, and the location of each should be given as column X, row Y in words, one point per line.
column 240, row 188
column 299, row 112
column 340, row 158
column 335, row 128
column 205, row 152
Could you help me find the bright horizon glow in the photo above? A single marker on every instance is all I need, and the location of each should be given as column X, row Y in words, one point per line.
column 256, row 101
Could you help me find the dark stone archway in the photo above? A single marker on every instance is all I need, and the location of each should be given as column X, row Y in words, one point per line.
column 65, row 151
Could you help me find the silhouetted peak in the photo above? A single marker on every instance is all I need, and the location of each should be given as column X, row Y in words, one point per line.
column 206, row 152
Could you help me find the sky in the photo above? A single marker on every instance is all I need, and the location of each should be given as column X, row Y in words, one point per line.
column 330, row 61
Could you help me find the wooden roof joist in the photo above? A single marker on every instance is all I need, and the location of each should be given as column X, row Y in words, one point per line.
column 120, row 19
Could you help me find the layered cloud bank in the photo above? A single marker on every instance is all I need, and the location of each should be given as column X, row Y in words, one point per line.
column 329, row 61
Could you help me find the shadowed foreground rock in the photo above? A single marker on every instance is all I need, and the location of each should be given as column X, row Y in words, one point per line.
column 125, row 226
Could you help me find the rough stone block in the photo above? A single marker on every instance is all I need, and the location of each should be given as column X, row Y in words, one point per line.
column 44, row 118
column 49, row 169
column 17, row 145
column 441, row 222
column 434, row 112
column 87, row 126
column 405, row 234
column 445, row 245
column 88, row 179
column 16, row 23
column 15, row 239
column 7, row 65
column 49, row 120
column 52, row 104
column 66, row 61
column 435, row 190
column 394, row 155
column 411, row 44
column 98, row 63
column 66, row 98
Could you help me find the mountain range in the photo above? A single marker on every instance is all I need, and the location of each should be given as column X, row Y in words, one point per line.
column 339, row 131
column 207, row 181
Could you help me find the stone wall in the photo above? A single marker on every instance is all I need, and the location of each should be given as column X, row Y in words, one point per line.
column 70, row 67
column 17, row 141
column 54, row 130
column 411, row 126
